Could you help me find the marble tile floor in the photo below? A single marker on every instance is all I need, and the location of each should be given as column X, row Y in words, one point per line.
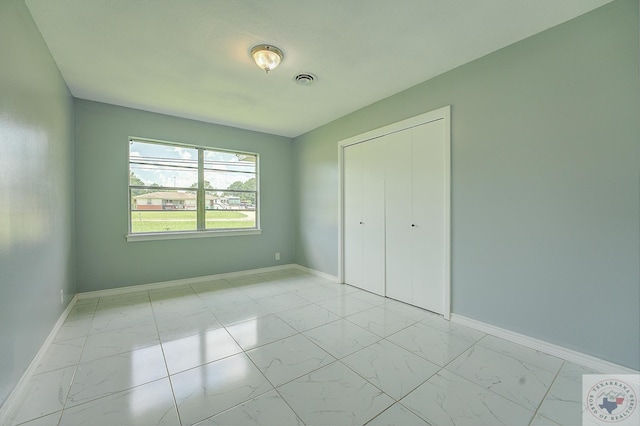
column 287, row 348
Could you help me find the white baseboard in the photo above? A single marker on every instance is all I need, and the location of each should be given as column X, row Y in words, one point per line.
column 332, row 278
column 10, row 404
column 576, row 357
column 180, row 282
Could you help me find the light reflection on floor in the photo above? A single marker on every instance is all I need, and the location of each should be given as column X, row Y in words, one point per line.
column 286, row 347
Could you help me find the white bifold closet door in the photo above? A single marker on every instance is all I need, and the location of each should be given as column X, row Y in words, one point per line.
column 415, row 198
column 364, row 216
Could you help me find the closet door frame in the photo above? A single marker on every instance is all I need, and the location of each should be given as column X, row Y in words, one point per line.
column 443, row 113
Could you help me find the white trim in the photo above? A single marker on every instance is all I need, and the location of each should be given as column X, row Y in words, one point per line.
column 204, row 233
column 576, row 357
column 180, row 282
column 340, row 213
column 190, row 234
column 443, row 113
column 427, row 117
column 446, row 112
column 10, row 404
column 329, row 277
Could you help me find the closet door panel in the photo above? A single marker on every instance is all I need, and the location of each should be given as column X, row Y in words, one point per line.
column 398, row 209
column 396, row 189
column 353, row 214
column 373, row 216
column 428, row 172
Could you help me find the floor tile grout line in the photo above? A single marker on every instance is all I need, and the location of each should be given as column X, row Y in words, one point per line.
column 110, row 393
column 383, row 337
column 306, row 337
column 547, row 392
column 226, row 410
column 413, row 411
column 426, row 321
column 399, row 401
column 521, row 347
column 380, row 413
column 392, row 397
column 364, row 378
column 146, row 345
column 77, row 365
column 380, row 338
column 241, row 348
column 166, row 366
column 405, row 407
column 495, row 393
column 257, row 368
column 487, row 389
column 308, row 372
column 86, row 336
column 274, row 387
column 418, row 355
column 335, row 361
column 289, row 405
column 348, row 367
column 59, row 412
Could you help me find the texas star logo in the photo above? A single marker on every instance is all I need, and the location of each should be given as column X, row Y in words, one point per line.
column 611, row 400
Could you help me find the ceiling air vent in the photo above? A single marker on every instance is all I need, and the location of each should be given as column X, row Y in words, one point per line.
column 305, row 78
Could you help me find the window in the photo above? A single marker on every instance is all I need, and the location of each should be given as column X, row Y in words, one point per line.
column 188, row 189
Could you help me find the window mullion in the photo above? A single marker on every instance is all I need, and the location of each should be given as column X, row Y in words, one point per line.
column 200, row 202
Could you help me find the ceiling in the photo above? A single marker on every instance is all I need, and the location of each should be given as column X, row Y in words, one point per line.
column 190, row 58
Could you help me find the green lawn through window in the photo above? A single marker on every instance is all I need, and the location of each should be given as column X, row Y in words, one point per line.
column 169, row 221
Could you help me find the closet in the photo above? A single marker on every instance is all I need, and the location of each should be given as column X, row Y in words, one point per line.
column 395, row 211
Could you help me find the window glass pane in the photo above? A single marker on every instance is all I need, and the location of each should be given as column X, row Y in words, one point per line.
column 226, row 210
column 234, row 161
column 162, row 165
column 163, row 211
column 225, row 170
column 229, row 180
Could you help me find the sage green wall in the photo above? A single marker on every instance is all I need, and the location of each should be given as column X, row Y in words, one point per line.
column 36, row 193
column 545, row 183
column 106, row 260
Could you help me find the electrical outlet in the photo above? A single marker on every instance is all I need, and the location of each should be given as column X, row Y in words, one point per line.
column 61, row 297
column 277, row 256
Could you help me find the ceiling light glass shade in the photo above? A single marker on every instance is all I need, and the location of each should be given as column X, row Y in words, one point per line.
column 267, row 57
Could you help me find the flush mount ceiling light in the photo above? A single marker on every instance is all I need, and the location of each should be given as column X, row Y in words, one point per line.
column 267, row 57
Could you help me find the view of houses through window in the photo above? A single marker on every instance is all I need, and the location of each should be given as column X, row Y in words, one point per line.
column 174, row 188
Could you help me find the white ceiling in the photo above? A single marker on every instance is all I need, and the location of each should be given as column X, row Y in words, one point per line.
column 190, row 58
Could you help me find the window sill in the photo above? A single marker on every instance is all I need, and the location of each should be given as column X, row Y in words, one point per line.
column 187, row 235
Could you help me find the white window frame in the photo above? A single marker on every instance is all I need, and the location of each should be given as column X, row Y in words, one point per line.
column 201, row 232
